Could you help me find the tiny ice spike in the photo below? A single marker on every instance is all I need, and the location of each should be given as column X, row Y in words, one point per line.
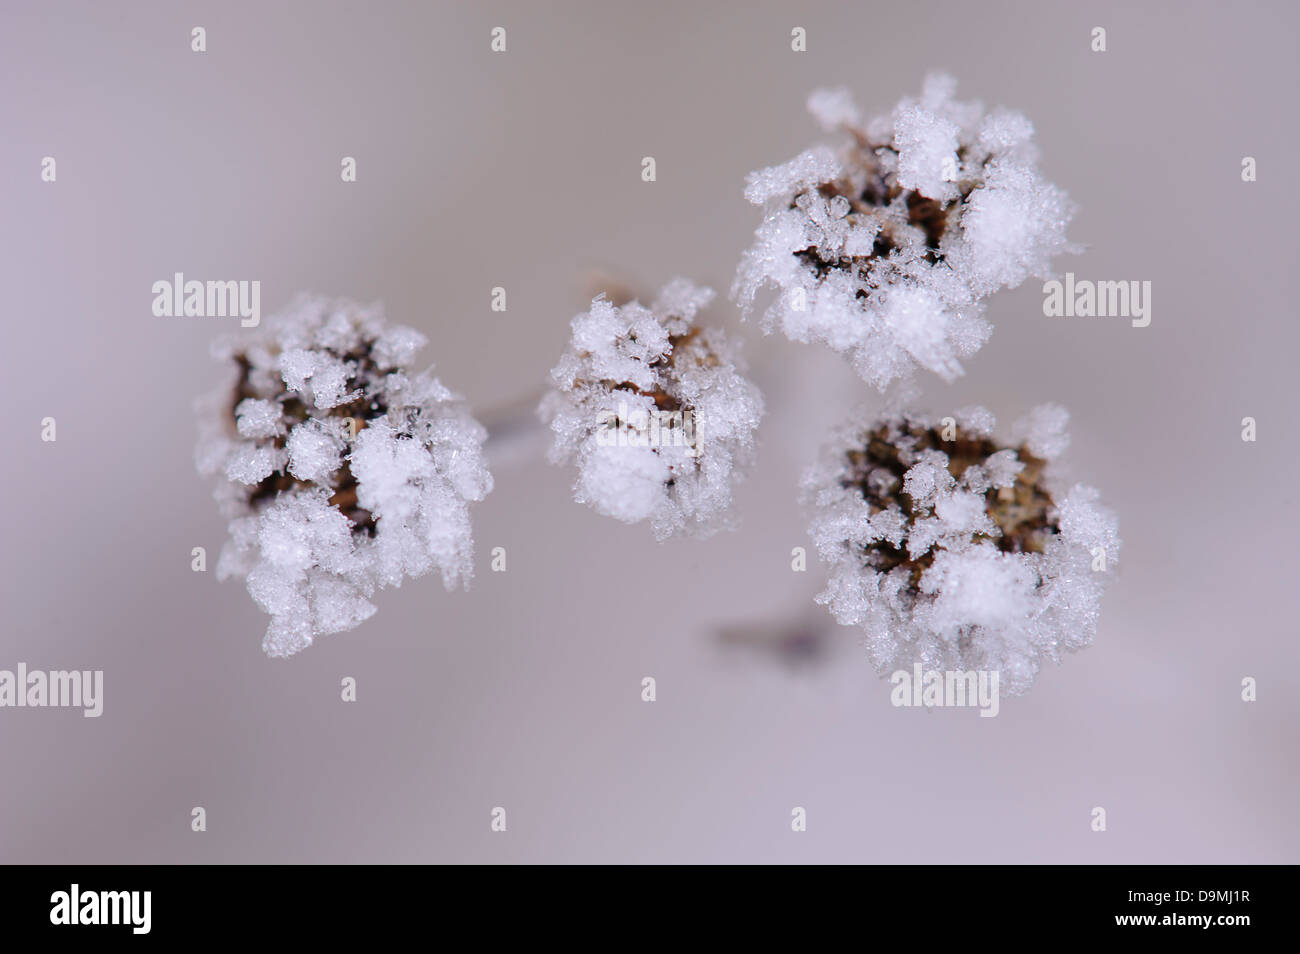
column 885, row 247
column 344, row 471
column 655, row 411
column 954, row 552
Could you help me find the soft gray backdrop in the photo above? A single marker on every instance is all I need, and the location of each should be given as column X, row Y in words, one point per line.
column 522, row 169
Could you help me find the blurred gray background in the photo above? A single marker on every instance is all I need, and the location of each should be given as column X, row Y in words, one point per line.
column 522, row 169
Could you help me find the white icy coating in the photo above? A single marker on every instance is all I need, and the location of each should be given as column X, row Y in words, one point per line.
column 975, row 607
column 330, row 410
column 843, row 245
column 675, row 462
column 1043, row 431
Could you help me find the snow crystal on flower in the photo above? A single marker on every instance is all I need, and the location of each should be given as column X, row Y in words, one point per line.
column 254, row 418
column 1043, row 430
column 655, row 412
column 960, row 554
column 315, row 447
column 884, row 248
column 346, row 471
column 249, row 463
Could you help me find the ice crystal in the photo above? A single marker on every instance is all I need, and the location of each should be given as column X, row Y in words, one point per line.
column 884, row 247
column 345, row 471
column 952, row 551
column 655, row 411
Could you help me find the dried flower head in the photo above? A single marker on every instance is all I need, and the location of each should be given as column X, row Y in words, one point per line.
column 953, row 551
column 884, row 247
column 344, row 471
column 655, row 411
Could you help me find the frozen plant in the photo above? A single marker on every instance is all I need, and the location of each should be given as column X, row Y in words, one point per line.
column 950, row 550
column 655, row 412
column 885, row 246
column 344, row 471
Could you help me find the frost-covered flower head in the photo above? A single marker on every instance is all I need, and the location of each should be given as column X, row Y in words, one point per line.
column 952, row 551
column 344, row 470
column 655, row 411
column 884, row 247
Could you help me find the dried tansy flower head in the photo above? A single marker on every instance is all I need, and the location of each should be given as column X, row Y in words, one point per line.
column 884, row 247
column 955, row 552
column 655, row 412
column 344, row 470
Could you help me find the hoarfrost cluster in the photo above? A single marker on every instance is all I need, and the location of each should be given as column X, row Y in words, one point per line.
column 655, row 411
column 343, row 470
column 950, row 550
column 884, row 247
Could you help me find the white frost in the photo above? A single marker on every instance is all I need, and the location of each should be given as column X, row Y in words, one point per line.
column 885, row 247
column 976, row 605
column 346, row 471
column 655, row 412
